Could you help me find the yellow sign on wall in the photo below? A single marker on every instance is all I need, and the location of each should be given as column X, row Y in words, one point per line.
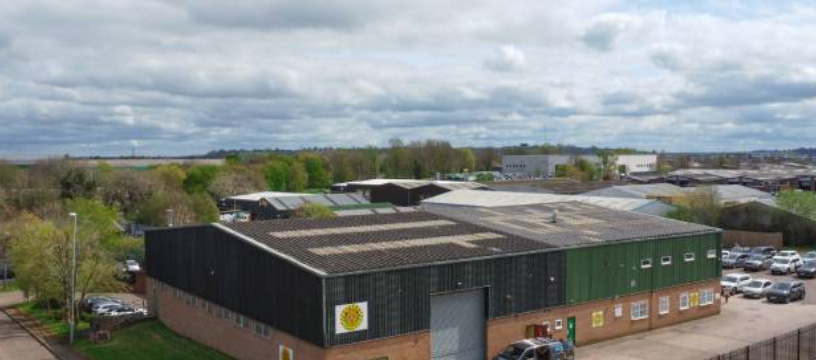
column 597, row 319
column 694, row 299
column 350, row 317
column 286, row 353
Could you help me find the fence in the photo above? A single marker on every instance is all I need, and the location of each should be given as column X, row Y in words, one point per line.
column 751, row 239
column 795, row 345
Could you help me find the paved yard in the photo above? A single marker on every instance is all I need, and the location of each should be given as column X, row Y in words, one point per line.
column 741, row 323
column 17, row 344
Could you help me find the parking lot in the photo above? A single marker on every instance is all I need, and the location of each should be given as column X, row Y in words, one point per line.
column 741, row 323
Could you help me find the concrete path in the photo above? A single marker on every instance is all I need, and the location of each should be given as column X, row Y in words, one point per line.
column 17, row 344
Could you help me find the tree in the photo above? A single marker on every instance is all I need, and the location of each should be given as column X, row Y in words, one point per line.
column 171, row 175
column 42, row 254
column 276, row 175
column 418, row 172
column 77, row 182
column 315, row 166
column 609, row 164
column 467, row 160
column 234, row 180
column 297, row 178
column 154, row 211
column 701, row 206
column 314, row 211
column 127, row 189
column 199, row 178
column 10, row 176
column 801, row 203
column 204, row 208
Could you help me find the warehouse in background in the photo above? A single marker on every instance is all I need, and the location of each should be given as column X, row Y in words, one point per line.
column 545, row 166
column 405, row 285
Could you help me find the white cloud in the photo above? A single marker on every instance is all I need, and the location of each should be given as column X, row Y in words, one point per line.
column 186, row 77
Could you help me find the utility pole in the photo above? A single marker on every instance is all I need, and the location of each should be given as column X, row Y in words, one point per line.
column 72, row 312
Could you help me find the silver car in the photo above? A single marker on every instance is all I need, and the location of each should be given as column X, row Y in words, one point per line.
column 734, row 283
column 757, row 288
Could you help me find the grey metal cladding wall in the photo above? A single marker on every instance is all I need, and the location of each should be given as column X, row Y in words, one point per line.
column 215, row 266
column 399, row 300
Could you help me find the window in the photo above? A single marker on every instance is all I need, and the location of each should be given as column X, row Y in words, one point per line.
column 645, row 263
column 559, row 324
column 176, row 293
column 706, row 297
column 640, row 310
column 688, row 257
column 219, row 312
column 618, row 310
column 666, row 260
column 711, row 254
column 684, row 301
column 664, row 305
column 239, row 319
column 261, row 329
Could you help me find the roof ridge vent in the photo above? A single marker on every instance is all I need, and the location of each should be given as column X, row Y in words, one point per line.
column 554, row 216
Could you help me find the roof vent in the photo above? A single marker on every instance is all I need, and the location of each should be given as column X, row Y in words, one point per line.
column 554, row 216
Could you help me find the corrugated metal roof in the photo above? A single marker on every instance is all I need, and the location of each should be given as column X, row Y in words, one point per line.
column 639, row 191
column 264, row 194
column 570, row 224
column 359, row 243
column 479, row 198
column 288, row 203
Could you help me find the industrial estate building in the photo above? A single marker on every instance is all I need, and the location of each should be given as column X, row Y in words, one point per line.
column 450, row 283
column 546, row 165
column 270, row 205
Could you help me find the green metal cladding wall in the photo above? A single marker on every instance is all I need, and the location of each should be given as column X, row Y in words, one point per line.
column 611, row 270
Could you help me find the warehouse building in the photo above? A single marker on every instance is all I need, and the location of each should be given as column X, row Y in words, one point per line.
column 546, row 165
column 492, row 199
column 423, row 285
column 411, row 193
column 270, row 205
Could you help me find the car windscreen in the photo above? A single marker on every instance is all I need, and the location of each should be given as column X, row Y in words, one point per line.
column 781, row 286
column 782, row 261
column 757, row 257
column 756, row 284
column 729, row 278
column 513, row 351
column 809, row 264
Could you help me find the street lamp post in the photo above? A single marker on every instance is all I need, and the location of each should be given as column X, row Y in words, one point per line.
column 170, row 217
column 72, row 312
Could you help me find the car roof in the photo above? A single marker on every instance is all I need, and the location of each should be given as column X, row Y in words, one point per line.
column 761, row 279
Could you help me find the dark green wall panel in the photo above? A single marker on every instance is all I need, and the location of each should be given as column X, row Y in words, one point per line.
column 611, row 270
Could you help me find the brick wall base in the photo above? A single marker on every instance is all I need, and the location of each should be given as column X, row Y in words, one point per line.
column 201, row 324
column 504, row 331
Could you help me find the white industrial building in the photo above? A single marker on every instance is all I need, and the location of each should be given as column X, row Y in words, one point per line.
column 545, row 165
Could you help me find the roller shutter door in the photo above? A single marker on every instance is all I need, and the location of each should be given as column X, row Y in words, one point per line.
column 458, row 326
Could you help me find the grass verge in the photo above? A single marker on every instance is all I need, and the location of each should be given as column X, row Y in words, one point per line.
column 51, row 319
column 147, row 339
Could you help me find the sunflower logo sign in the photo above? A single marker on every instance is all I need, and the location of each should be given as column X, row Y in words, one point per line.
column 286, row 353
column 350, row 317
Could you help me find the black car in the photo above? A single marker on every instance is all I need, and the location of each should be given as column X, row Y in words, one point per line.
column 785, row 292
column 807, row 270
column 758, row 262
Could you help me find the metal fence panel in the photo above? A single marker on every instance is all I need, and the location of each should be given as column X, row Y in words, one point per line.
column 796, row 345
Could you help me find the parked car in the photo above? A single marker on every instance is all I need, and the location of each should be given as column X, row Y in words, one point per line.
column 734, row 283
column 757, row 288
column 764, row 250
column 758, row 262
column 787, row 254
column 734, row 260
column 132, row 265
column 90, row 301
column 785, row 265
column 807, row 270
column 725, row 254
column 101, row 308
column 538, row 349
column 787, row 291
column 810, row 255
column 125, row 310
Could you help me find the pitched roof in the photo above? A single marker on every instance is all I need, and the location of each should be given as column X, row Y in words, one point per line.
column 506, row 198
column 639, row 191
column 570, row 224
column 360, row 243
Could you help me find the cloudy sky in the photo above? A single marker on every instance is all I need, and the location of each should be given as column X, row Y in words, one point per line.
column 98, row 77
